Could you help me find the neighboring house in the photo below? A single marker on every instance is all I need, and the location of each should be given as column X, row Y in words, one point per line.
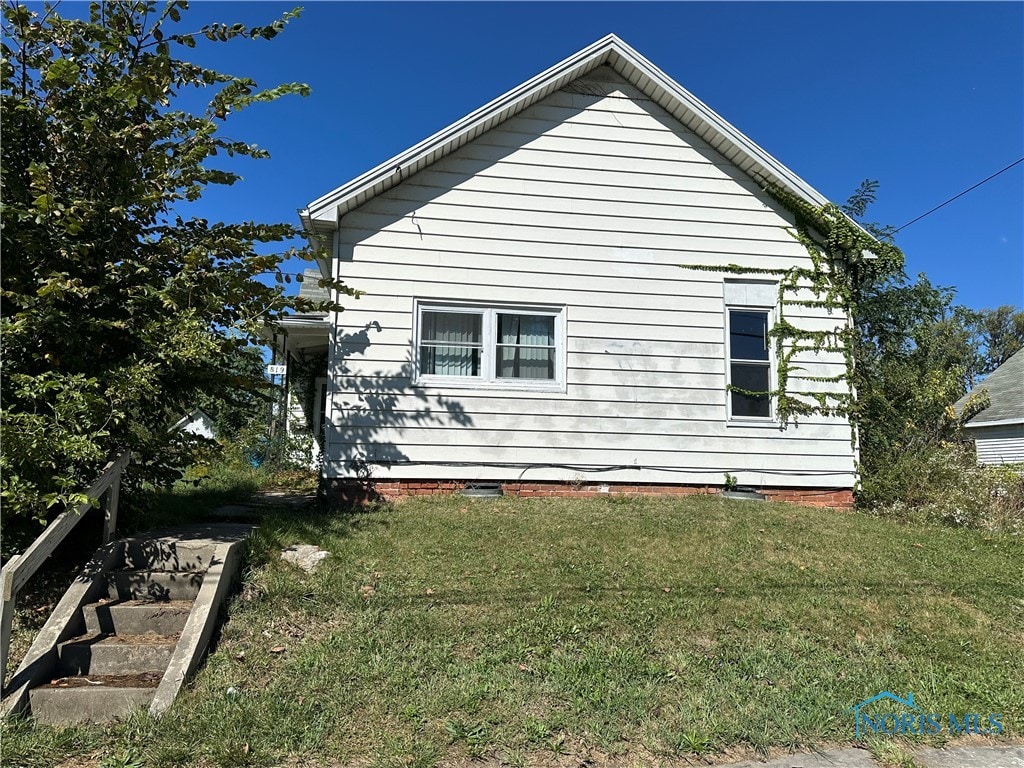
column 196, row 423
column 998, row 430
column 526, row 320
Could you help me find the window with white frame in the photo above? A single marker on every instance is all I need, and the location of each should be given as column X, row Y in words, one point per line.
column 749, row 364
column 495, row 346
column 749, row 311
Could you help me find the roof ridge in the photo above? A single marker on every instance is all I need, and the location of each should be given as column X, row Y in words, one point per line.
column 323, row 213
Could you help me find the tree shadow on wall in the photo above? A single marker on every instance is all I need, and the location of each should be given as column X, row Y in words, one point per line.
column 372, row 412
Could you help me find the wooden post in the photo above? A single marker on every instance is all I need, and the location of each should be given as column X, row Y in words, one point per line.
column 110, row 509
column 19, row 569
column 6, row 614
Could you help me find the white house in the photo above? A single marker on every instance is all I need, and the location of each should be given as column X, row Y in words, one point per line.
column 527, row 321
column 198, row 423
column 998, row 430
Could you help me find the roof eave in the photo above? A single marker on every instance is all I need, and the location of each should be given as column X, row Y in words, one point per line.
column 324, row 213
column 303, row 321
column 319, row 236
column 675, row 97
column 994, row 423
column 327, row 209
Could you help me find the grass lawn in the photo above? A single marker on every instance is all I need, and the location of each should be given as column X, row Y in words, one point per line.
column 535, row 631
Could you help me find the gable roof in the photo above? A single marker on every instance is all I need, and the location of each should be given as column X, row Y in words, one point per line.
column 1005, row 387
column 196, row 414
column 322, row 215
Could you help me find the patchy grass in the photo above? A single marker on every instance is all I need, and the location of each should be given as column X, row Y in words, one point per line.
column 892, row 753
column 537, row 630
column 192, row 499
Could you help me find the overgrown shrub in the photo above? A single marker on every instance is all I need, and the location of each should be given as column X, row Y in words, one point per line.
column 943, row 483
column 123, row 308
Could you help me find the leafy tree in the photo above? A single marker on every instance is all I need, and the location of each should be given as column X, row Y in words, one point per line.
column 118, row 309
column 916, row 354
column 246, row 401
column 1000, row 333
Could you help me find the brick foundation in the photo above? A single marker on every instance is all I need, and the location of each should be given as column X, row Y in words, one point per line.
column 354, row 492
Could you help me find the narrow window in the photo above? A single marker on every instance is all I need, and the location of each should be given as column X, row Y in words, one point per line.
column 749, row 364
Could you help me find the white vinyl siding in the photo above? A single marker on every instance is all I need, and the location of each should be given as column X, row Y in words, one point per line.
column 1003, row 444
column 588, row 203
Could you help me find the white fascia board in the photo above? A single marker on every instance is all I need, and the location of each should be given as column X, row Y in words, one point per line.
column 181, row 422
column 760, row 166
column 324, row 213
column 303, row 322
column 325, row 210
column 678, row 97
column 318, row 237
column 283, row 326
column 999, row 423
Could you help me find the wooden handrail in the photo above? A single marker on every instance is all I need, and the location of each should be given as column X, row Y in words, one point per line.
column 20, row 568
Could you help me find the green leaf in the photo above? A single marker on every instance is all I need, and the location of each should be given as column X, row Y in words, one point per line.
column 119, row 315
column 43, row 203
column 62, row 72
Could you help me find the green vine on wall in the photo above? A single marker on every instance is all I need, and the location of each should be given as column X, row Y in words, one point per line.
column 843, row 256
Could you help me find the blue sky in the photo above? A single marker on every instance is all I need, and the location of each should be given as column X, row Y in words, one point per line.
column 927, row 98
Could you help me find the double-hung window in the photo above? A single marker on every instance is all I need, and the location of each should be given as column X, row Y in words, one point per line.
column 749, row 310
column 513, row 347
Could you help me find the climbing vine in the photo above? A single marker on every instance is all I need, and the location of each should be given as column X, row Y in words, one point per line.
column 843, row 258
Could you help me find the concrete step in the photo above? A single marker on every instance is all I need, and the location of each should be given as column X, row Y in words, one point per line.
column 92, row 699
column 154, row 584
column 115, row 654
column 167, row 554
column 135, row 621
column 136, row 617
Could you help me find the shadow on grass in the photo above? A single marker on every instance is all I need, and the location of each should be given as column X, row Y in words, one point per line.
column 189, row 501
column 280, row 527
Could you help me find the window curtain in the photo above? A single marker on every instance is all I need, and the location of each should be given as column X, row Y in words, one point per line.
column 526, row 347
column 451, row 343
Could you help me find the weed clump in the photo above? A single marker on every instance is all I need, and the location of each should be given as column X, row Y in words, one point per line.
column 943, row 483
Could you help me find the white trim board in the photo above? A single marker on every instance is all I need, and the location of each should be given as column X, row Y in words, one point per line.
column 323, row 214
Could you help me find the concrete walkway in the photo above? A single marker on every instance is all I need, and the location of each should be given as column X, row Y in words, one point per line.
column 928, row 757
column 263, row 502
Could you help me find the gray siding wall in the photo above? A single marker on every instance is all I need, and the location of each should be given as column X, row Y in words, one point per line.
column 999, row 445
column 590, row 200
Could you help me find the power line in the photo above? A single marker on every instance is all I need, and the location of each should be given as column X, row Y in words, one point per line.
column 969, row 189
